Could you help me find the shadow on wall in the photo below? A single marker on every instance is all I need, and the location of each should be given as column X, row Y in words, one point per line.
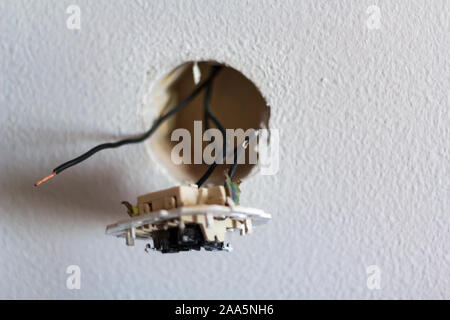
column 89, row 192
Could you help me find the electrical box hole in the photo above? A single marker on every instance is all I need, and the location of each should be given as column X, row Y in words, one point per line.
column 235, row 101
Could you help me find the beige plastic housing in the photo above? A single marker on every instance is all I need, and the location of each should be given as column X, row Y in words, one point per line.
column 181, row 196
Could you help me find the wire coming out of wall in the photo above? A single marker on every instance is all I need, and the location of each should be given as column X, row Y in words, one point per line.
column 208, row 116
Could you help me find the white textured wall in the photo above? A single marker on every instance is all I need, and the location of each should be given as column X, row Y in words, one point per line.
column 365, row 150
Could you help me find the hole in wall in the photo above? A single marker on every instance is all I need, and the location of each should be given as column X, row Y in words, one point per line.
column 235, row 101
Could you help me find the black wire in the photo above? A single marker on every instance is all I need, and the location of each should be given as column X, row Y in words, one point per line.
column 147, row 134
column 233, row 167
column 207, row 174
column 209, row 115
column 214, row 165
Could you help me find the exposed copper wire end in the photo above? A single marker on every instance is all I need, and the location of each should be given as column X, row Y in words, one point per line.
column 45, row 179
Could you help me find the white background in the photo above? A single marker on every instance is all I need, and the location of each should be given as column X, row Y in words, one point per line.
column 364, row 176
